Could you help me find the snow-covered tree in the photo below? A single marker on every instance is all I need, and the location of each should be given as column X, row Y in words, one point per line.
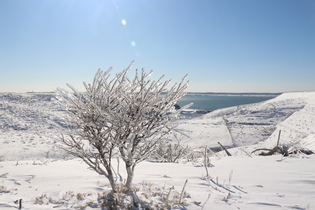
column 129, row 117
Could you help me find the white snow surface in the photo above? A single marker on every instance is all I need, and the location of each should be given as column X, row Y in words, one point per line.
column 33, row 169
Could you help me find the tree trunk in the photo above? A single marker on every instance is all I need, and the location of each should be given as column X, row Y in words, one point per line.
column 130, row 173
column 111, row 180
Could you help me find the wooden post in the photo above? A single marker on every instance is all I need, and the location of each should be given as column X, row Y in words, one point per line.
column 278, row 138
column 206, row 161
column 227, row 152
column 20, row 203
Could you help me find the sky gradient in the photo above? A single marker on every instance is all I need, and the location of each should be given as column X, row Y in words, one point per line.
column 223, row 45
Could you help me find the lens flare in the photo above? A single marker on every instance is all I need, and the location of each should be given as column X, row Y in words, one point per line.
column 124, row 22
column 133, row 43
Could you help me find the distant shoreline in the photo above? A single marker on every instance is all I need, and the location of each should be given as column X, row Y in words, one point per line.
column 233, row 94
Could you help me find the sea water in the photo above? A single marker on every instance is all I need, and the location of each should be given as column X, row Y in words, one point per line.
column 210, row 102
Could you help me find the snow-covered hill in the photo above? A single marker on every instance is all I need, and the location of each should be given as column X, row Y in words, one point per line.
column 29, row 123
column 259, row 123
column 40, row 116
column 29, row 111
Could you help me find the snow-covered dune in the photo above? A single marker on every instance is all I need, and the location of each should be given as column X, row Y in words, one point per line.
column 29, row 122
column 29, row 111
column 298, row 130
column 40, row 116
column 293, row 113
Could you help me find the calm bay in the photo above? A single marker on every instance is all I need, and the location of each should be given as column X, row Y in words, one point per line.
column 213, row 101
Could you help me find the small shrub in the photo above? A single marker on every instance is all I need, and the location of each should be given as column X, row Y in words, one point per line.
column 77, row 200
column 81, row 196
column 3, row 189
column 43, row 199
column 168, row 197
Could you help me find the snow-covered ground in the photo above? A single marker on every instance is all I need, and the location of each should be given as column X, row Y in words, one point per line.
column 33, row 169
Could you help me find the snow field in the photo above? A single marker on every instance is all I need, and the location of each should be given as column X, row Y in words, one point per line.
column 236, row 183
column 32, row 168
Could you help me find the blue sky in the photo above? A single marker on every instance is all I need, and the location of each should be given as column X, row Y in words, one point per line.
column 223, row 45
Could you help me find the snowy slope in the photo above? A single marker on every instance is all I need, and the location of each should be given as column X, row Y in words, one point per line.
column 40, row 115
column 29, row 122
column 29, row 111
column 251, row 124
column 298, row 129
